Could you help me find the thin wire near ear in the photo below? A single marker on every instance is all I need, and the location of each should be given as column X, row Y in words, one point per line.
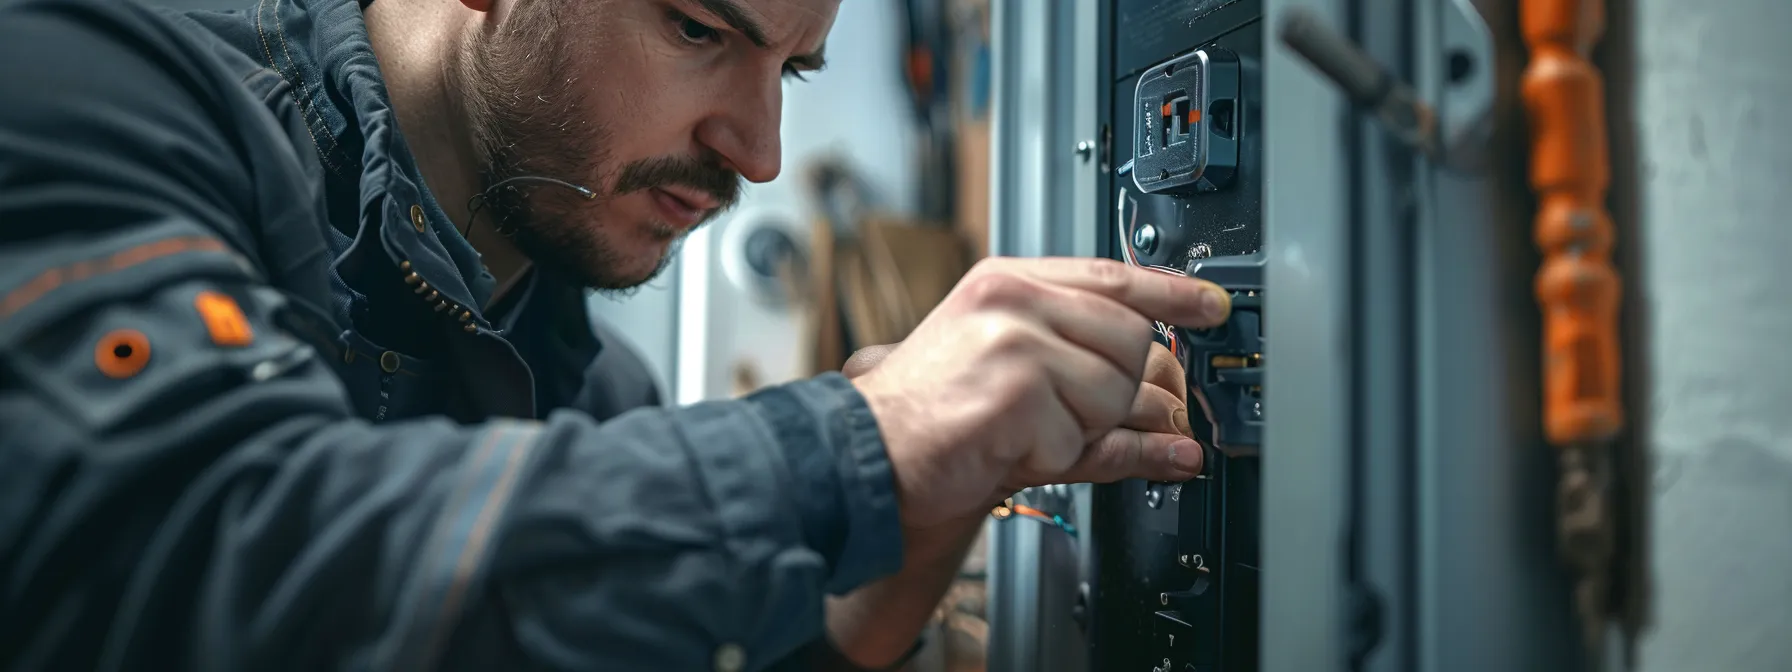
column 479, row 200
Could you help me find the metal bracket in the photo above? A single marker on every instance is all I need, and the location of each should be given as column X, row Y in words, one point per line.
column 1466, row 100
column 1455, row 133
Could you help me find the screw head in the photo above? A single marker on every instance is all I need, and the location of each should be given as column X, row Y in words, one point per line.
column 1085, row 149
column 1144, row 238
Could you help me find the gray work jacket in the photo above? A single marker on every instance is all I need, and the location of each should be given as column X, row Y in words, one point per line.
column 252, row 416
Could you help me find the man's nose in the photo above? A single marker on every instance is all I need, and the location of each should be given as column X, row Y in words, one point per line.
column 744, row 129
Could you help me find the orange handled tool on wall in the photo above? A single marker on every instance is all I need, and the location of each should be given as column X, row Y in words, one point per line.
column 1577, row 287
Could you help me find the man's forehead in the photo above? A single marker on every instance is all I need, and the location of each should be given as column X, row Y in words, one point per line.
column 797, row 26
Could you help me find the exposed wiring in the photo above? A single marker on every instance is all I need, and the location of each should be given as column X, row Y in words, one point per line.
column 1009, row 509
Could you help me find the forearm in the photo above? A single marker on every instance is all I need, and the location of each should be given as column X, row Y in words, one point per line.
column 878, row 623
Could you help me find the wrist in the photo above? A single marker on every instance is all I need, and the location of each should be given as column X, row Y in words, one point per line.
column 882, row 621
column 943, row 542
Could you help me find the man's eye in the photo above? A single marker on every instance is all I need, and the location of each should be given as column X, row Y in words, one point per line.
column 695, row 32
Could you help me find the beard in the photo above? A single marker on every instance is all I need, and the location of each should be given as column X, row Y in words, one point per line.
column 529, row 118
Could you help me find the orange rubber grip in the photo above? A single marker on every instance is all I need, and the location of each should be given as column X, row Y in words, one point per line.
column 1577, row 288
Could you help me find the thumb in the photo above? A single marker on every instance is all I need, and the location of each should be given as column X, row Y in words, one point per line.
column 1126, row 453
column 866, row 359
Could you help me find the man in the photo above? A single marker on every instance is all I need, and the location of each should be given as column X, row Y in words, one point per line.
column 297, row 372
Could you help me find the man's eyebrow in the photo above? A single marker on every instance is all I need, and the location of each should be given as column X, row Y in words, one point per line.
column 736, row 17
column 731, row 13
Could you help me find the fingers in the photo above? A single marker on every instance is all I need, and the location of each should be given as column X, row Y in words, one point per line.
column 866, row 359
column 1126, row 453
column 1052, row 441
column 1155, row 409
column 1097, row 394
column 1162, row 370
column 1088, row 390
column 1097, row 323
column 1175, row 299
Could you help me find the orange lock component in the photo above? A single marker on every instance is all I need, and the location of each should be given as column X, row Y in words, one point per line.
column 1577, row 288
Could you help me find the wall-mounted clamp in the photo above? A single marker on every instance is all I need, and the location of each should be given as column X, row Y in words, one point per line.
column 1455, row 132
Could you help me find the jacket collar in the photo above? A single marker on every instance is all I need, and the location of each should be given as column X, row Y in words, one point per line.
column 322, row 49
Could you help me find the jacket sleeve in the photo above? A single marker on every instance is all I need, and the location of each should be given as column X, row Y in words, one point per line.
column 185, row 486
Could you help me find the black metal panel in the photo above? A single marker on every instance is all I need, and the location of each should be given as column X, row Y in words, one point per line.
column 1229, row 221
column 1176, row 576
column 1149, row 32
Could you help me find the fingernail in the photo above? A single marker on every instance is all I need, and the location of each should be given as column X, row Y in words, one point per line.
column 1216, row 303
column 1186, row 455
column 1179, row 419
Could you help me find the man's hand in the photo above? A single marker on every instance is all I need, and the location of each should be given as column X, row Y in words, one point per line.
column 1022, row 376
column 1159, row 415
column 876, row 624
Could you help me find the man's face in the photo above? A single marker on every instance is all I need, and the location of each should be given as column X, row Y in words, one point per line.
column 660, row 107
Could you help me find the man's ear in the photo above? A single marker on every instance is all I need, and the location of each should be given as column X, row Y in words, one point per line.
column 479, row 5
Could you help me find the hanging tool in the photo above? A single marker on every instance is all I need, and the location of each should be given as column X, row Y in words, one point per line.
column 1365, row 82
column 1578, row 290
column 1455, row 132
column 1577, row 287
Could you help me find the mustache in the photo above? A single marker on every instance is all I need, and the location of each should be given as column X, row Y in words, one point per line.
column 705, row 175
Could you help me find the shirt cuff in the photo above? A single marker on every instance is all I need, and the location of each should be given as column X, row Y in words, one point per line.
column 832, row 447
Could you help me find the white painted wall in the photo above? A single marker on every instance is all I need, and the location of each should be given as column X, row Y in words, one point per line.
column 1716, row 194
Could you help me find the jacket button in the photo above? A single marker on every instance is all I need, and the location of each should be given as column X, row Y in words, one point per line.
column 730, row 658
column 389, row 361
column 417, row 218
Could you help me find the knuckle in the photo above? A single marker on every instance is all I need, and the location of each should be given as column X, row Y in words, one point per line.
column 1152, row 399
column 1004, row 336
column 1162, row 368
column 986, row 265
column 994, row 289
column 1109, row 276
